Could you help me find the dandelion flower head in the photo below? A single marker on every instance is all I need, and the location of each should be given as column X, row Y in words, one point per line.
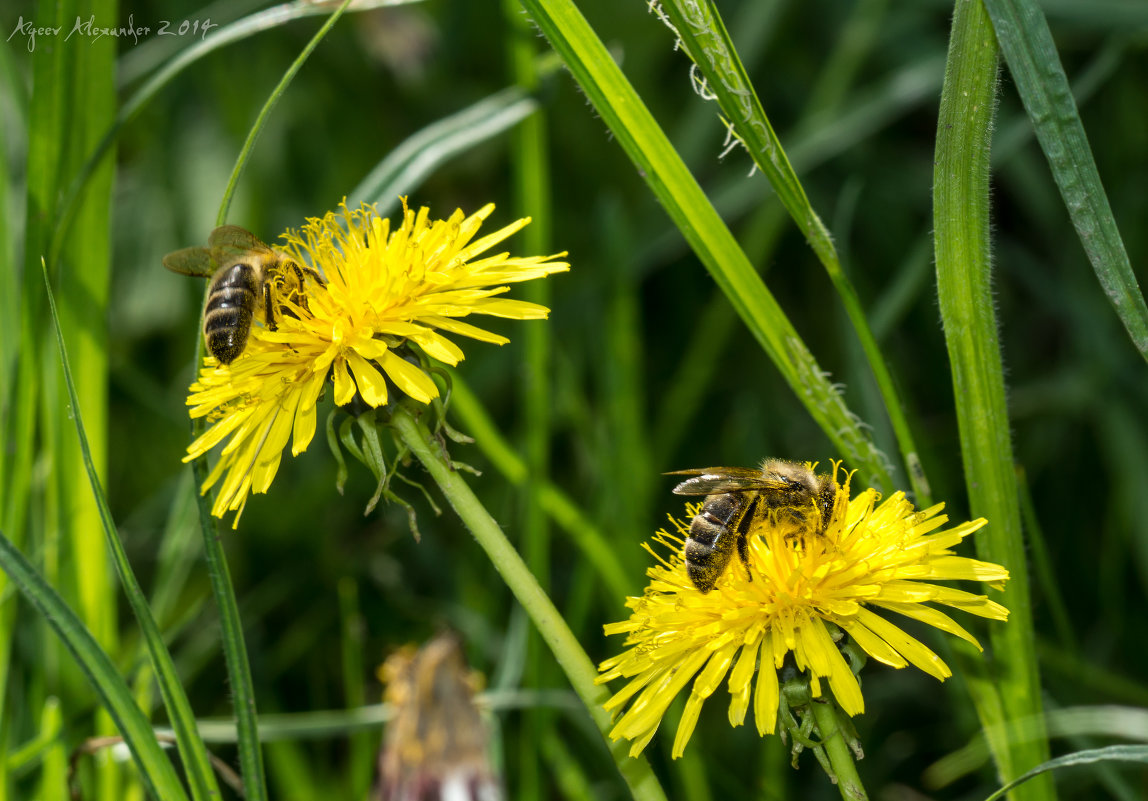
column 370, row 294
column 796, row 596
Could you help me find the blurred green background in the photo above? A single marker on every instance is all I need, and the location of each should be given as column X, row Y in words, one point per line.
column 649, row 368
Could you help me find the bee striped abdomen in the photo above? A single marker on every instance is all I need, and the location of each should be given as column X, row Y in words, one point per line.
column 230, row 309
column 712, row 540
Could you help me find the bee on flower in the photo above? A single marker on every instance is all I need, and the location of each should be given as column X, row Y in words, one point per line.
column 817, row 571
column 359, row 306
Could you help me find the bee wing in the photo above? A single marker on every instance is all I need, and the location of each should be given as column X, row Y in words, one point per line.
column 191, row 261
column 714, row 480
column 230, row 242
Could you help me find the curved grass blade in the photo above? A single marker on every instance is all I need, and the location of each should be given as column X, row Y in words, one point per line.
column 963, row 258
column 228, row 34
column 1125, row 722
column 334, row 724
column 703, row 35
column 153, row 53
column 671, row 182
column 155, row 769
column 265, row 112
column 192, row 751
column 1112, row 753
column 409, row 164
column 531, row 197
column 1026, row 42
column 234, row 648
column 231, row 638
column 31, row 753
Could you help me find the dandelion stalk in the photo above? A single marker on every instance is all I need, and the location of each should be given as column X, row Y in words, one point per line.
column 561, row 641
column 839, row 753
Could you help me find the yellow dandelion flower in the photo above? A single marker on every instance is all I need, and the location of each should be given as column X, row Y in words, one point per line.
column 797, row 594
column 374, row 293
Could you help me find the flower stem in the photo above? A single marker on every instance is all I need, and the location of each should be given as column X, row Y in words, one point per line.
column 571, row 658
column 839, row 753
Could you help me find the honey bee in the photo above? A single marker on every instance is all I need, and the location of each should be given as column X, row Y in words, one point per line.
column 245, row 275
column 739, row 497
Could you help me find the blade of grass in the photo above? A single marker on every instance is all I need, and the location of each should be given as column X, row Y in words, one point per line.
column 1026, row 42
column 15, row 127
column 265, row 112
column 1112, row 753
column 1016, row 133
column 569, row 776
column 1072, row 722
column 677, row 190
column 1042, row 563
column 867, row 112
column 234, row 650
column 827, row 126
column 352, row 630
column 417, row 156
column 72, row 97
column 154, row 767
column 860, row 34
column 961, row 241
column 84, row 269
column 28, row 755
column 530, row 175
column 703, row 35
column 626, row 465
column 44, row 163
column 232, row 640
column 156, row 52
column 292, row 770
column 336, row 723
column 191, row 748
column 231, row 33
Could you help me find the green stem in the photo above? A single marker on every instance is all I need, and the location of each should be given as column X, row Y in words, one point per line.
column 839, row 753
column 561, row 641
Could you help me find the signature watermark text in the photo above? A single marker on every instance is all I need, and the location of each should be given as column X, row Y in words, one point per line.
column 88, row 29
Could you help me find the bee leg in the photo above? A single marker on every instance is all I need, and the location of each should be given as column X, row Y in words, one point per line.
column 297, row 294
column 300, row 269
column 301, row 294
column 743, row 554
column 268, row 307
column 743, row 528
